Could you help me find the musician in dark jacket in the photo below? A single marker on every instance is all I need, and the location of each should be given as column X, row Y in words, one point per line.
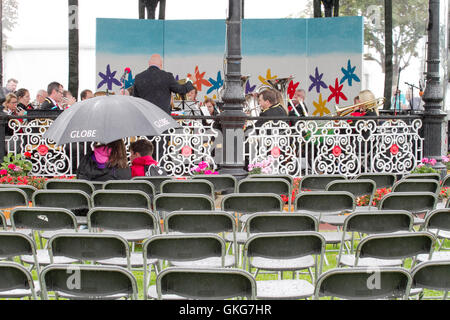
column 156, row 85
column 270, row 107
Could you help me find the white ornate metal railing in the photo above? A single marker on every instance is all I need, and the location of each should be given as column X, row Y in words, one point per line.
column 337, row 146
column 309, row 146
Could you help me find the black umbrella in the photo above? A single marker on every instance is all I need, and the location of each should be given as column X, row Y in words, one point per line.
column 108, row 118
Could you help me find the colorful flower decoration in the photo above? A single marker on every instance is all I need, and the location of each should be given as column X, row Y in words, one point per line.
column 197, row 79
column 249, row 88
column 291, row 88
column 336, row 92
column 268, row 77
column 320, row 107
column 275, row 152
column 42, row 150
column 317, row 81
column 27, row 154
column 394, row 149
column 130, row 81
column 349, row 74
column 108, row 78
column 186, row 151
column 337, row 151
column 216, row 84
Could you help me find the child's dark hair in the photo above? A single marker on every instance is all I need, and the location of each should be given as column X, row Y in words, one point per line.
column 143, row 146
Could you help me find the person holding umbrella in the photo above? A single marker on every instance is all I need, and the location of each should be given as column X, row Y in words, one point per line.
column 105, row 162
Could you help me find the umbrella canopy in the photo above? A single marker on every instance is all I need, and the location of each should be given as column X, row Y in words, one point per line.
column 108, row 118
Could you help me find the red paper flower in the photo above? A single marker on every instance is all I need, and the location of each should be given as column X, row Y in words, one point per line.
column 27, row 154
column 394, row 149
column 42, row 150
column 186, row 151
column 275, row 152
column 127, row 70
column 337, row 151
column 291, row 88
column 336, row 92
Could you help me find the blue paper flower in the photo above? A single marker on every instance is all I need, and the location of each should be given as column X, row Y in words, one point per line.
column 349, row 74
column 216, row 84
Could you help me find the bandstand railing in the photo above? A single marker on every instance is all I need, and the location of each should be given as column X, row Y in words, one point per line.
column 345, row 145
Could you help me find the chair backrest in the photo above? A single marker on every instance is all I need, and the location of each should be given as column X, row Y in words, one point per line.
column 122, row 219
column 189, row 186
column 400, row 245
column 325, row 202
column 12, row 197
column 358, row 188
column 29, row 190
column 265, row 185
column 185, row 202
column 199, row 222
column 98, row 185
column 222, row 182
column 251, row 202
column 383, row 221
column 88, row 281
column 121, row 198
column 435, row 176
column 75, row 200
column 284, row 245
column 14, row 276
column 281, row 222
column 417, row 185
column 206, row 284
column 88, row 246
column 155, row 181
column 317, row 182
column 415, row 202
column 438, row 219
column 14, row 244
column 287, row 177
column 382, row 180
column 364, row 283
column 141, row 185
column 59, row 184
column 434, row 275
column 41, row 218
column 446, row 181
column 185, row 247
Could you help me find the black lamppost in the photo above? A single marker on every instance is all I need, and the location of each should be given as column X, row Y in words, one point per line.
column 433, row 119
column 232, row 119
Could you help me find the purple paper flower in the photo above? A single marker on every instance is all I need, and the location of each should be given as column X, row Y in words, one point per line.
column 108, row 78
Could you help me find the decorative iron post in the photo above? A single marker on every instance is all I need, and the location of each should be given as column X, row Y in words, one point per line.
column 232, row 119
column 433, row 119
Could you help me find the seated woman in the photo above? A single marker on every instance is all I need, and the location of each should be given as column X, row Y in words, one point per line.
column 105, row 162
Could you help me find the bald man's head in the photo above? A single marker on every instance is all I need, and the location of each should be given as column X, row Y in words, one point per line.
column 156, row 60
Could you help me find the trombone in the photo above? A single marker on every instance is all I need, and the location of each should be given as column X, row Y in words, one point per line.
column 373, row 104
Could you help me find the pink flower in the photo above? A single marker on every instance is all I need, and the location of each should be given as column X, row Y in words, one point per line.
column 425, row 160
column 445, row 159
column 11, row 166
column 208, row 172
column 432, row 162
column 198, row 169
column 3, row 172
column 203, row 165
column 420, row 165
column 215, row 172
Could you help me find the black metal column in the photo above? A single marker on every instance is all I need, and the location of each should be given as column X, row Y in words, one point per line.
column 433, row 120
column 232, row 119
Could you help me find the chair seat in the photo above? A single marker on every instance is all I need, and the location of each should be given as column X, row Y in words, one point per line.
column 437, row 256
column 241, row 237
column 332, row 237
column 20, row 293
column 283, row 264
column 334, row 220
column 153, row 295
column 284, row 289
column 442, row 233
column 73, row 297
column 213, row 262
column 49, row 234
column 43, row 258
column 322, row 213
column 132, row 236
column 27, row 232
column 365, row 208
column 349, row 260
column 136, row 261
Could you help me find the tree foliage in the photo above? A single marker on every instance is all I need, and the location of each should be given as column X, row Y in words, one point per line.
column 409, row 22
column 9, row 17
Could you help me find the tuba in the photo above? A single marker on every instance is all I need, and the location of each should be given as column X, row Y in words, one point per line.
column 373, row 104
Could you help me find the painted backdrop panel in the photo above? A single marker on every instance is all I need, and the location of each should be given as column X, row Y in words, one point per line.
column 323, row 55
